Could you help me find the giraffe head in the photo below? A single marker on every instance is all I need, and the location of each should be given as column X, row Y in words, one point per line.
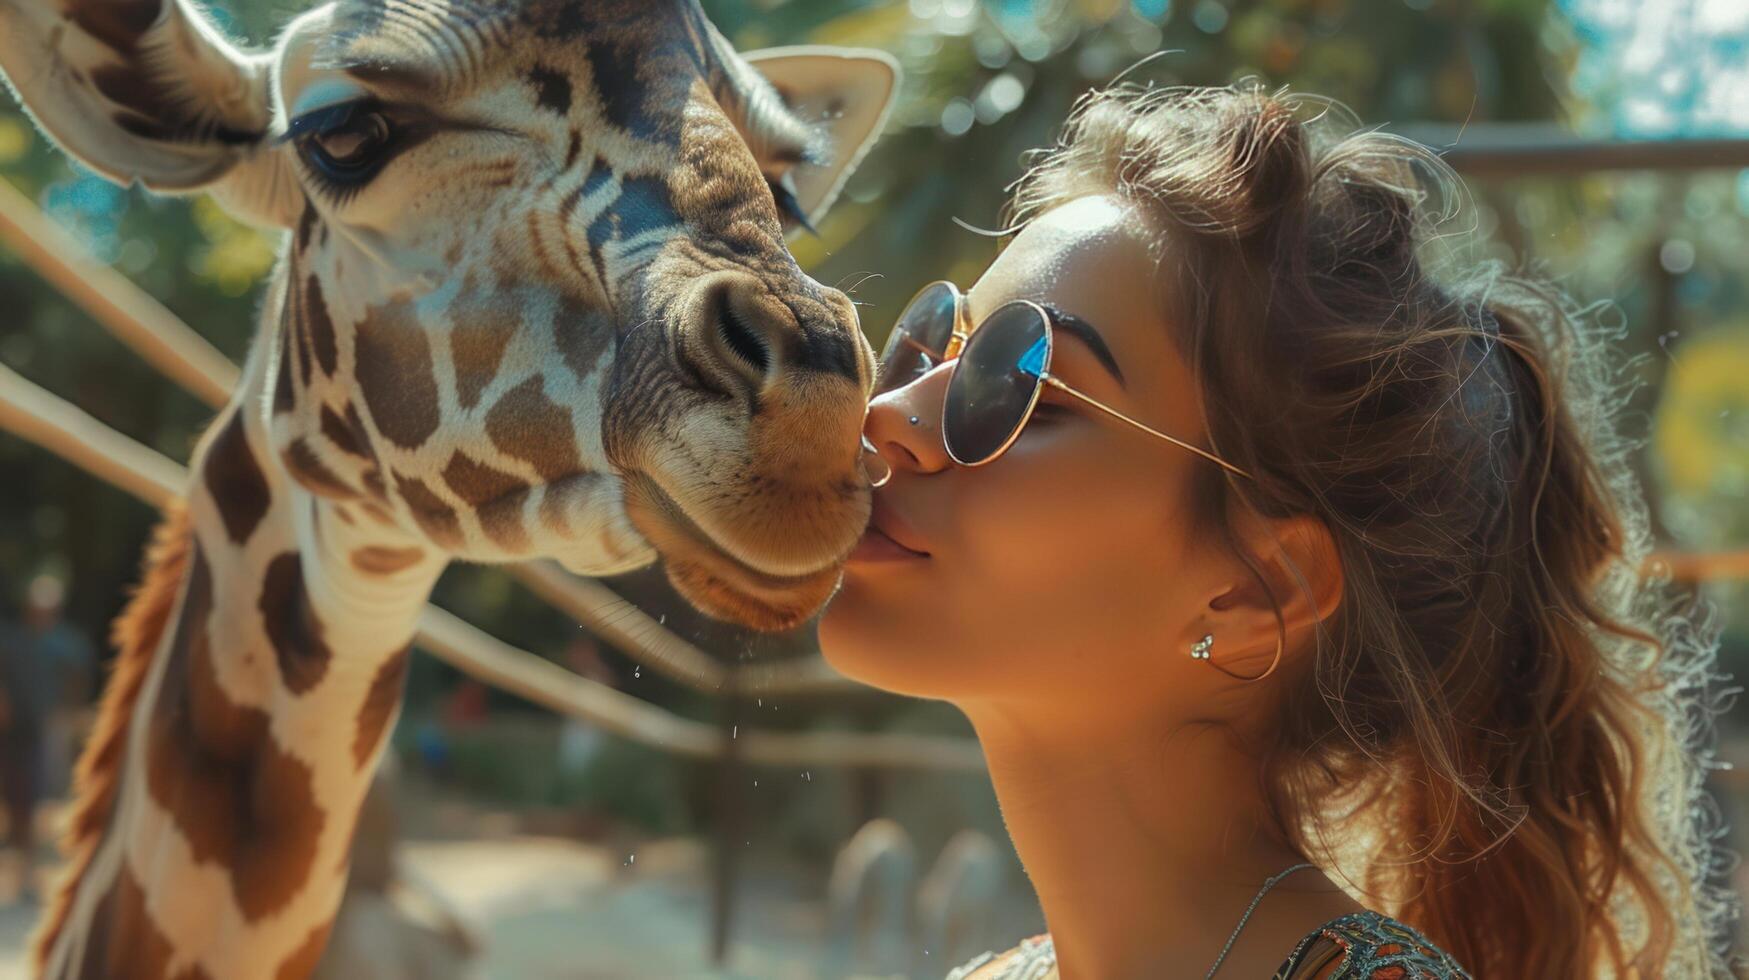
column 536, row 299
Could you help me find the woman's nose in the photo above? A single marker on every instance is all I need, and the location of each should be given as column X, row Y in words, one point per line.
column 903, row 429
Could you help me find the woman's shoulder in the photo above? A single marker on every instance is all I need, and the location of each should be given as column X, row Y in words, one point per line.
column 1368, row 946
column 1357, row 946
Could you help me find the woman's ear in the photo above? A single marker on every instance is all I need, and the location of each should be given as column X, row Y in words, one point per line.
column 1285, row 579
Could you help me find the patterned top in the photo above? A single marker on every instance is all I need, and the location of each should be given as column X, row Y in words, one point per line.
column 1357, row 946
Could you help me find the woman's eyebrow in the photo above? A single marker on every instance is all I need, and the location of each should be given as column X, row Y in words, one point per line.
column 1083, row 331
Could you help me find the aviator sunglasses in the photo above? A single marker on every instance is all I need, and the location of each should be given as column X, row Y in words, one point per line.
column 999, row 369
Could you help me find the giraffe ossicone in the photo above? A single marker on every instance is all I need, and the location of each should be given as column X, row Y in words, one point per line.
column 533, row 301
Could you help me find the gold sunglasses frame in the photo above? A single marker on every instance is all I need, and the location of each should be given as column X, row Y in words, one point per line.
column 961, row 334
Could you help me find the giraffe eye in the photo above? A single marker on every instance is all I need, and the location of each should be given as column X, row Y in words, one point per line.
column 345, row 144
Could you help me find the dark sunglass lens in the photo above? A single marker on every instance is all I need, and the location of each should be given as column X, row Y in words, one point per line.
column 995, row 383
column 919, row 338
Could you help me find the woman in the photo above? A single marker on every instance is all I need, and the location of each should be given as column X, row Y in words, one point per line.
column 1306, row 592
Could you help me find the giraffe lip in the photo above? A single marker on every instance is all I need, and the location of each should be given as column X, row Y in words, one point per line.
column 675, row 517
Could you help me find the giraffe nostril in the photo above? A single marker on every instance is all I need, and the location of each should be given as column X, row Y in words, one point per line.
column 742, row 341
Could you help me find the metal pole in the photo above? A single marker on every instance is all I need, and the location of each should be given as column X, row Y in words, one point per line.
column 729, row 806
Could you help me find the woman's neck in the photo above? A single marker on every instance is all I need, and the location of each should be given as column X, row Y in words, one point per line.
column 1145, row 842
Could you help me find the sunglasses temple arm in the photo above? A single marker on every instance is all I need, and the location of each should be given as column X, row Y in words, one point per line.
column 1121, row 417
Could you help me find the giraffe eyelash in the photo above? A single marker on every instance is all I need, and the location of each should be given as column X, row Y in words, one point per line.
column 323, row 120
column 788, row 206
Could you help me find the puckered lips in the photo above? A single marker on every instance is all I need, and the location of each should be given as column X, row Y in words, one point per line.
column 888, row 539
column 719, row 583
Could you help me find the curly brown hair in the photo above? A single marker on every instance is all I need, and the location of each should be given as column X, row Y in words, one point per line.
column 1501, row 735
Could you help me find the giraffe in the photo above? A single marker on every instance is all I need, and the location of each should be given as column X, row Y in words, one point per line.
column 533, row 301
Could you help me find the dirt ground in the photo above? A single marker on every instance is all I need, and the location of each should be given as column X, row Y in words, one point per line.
column 547, row 908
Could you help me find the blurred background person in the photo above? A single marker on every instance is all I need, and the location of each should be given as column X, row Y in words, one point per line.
column 45, row 670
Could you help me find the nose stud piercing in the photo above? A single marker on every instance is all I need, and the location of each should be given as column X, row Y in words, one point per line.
column 915, row 420
column 1200, row 649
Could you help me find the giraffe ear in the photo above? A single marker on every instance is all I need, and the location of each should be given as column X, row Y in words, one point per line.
column 844, row 96
column 144, row 90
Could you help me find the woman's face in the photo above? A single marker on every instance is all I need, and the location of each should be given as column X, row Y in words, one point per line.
column 1073, row 562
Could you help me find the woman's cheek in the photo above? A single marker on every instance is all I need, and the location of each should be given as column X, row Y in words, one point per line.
column 1031, row 531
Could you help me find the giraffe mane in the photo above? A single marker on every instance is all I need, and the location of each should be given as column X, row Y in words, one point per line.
column 97, row 778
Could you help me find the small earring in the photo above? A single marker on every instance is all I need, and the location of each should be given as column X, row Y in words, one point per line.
column 1200, row 649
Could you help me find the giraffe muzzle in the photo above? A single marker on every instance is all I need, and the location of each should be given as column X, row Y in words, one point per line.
column 753, row 492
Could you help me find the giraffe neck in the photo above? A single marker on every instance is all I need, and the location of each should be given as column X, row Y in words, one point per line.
column 255, row 735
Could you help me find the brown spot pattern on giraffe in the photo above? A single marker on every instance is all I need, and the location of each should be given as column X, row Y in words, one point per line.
column 482, row 332
column 350, row 436
column 582, row 334
column 292, row 625
column 394, row 372
column 240, row 801
column 306, row 222
column 126, row 942
column 380, row 702
column 373, row 484
column 341, row 433
column 478, row 483
column 235, row 481
column 525, row 424
column 552, row 89
column 496, row 496
column 376, row 559
column 320, row 326
column 433, row 516
column 314, row 475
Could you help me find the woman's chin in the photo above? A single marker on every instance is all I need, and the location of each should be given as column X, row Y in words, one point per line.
column 867, row 641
